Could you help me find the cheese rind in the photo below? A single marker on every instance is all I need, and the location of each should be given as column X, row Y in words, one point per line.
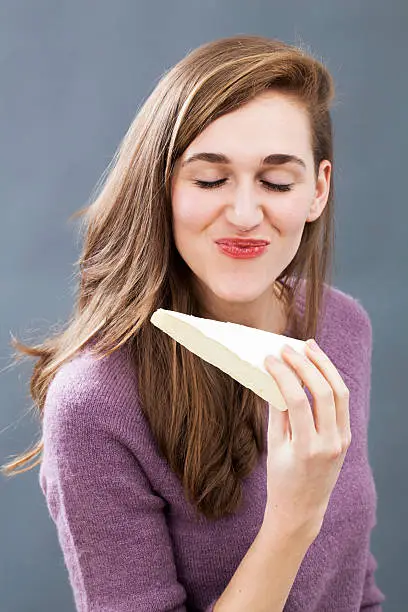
column 237, row 350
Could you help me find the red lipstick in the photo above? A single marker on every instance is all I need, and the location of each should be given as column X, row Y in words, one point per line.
column 242, row 248
column 242, row 241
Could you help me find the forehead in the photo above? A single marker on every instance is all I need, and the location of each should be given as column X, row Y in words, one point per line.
column 271, row 123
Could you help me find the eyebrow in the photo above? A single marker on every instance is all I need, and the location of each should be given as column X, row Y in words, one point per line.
column 275, row 159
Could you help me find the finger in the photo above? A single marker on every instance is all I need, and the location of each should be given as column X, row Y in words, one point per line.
column 299, row 411
column 324, row 409
column 278, row 424
column 340, row 389
column 326, row 387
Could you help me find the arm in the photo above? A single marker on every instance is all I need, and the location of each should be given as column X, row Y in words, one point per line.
column 266, row 574
column 110, row 524
column 372, row 596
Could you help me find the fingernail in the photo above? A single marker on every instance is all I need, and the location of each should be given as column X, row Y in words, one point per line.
column 313, row 345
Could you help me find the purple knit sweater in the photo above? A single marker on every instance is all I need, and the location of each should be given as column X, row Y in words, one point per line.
column 127, row 533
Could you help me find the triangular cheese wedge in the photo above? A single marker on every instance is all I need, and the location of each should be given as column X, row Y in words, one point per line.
column 238, row 350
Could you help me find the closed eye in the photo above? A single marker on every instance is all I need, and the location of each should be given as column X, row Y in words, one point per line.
column 270, row 186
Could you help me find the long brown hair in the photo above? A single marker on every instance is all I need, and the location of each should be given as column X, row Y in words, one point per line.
column 129, row 267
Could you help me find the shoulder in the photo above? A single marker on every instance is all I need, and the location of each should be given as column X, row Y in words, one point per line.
column 346, row 336
column 345, row 315
column 341, row 313
column 90, row 391
column 344, row 331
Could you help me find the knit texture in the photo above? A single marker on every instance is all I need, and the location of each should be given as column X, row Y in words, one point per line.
column 129, row 538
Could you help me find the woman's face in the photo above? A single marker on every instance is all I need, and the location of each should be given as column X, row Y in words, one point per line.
column 246, row 197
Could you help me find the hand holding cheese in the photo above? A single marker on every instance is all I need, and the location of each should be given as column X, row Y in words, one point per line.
column 306, row 446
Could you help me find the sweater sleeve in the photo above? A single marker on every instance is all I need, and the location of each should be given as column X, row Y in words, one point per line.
column 372, row 596
column 110, row 524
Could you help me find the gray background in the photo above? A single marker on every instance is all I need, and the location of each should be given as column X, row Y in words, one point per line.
column 73, row 75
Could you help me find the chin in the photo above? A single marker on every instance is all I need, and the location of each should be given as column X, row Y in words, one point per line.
column 239, row 292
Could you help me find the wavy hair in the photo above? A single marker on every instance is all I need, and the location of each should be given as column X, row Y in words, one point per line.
column 129, row 266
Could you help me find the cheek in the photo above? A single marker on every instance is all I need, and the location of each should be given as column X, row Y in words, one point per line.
column 290, row 213
column 191, row 211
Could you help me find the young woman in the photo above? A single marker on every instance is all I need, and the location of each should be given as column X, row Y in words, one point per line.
column 172, row 486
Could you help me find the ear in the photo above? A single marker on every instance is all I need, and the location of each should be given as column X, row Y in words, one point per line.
column 321, row 191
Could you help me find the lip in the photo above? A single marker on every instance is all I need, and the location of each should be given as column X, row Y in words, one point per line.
column 239, row 252
column 242, row 242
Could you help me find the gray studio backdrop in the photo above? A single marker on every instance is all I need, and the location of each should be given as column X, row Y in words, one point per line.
column 73, row 75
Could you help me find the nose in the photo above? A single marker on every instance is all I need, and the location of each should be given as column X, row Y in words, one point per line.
column 245, row 213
